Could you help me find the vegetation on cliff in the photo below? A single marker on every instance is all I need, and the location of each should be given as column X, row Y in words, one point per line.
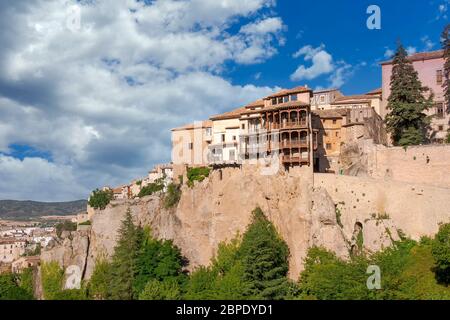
column 197, row 174
column 99, row 199
column 11, row 288
column 151, row 188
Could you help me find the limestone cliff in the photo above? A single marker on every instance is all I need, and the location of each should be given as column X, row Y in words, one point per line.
column 218, row 208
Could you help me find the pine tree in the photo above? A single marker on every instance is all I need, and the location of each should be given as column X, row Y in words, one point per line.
column 446, row 46
column 265, row 259
column 406, row 120
column 124, row 261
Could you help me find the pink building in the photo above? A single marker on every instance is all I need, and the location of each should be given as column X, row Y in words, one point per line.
column 430, row 67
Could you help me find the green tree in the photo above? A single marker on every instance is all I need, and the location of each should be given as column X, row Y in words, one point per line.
column 441, row 253
column 26, row 281
column 150, row 189
column 446, row 84
column 99, row 284
column 406, row 120
column 157, row 260
column 65, row 226
column 161, row 290
column 10, row 290
column 201, row 284
column 99, row 199
column 124, row 260
column 265, row 259
column 172, row 196
column 52, row 276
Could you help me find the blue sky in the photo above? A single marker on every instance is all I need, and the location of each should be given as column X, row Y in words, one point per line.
column 89, row 90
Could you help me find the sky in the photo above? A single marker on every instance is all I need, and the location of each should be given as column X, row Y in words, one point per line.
column 89, row 90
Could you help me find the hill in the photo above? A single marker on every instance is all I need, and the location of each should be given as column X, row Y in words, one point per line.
column 14, row 209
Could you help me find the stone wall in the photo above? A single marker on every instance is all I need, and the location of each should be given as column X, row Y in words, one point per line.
column 420, row 164
column 414, row 209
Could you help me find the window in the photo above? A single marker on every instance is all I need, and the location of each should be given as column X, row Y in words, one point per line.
column 334, row 121
column 243, row 126
column 223, row 137
column 280, row 100
column 274, row 101
column 232, row 154
column 439, row 76
column 328, row 146
column 234, row 138
column 286, row 99
column 208, row 131
column 190, row 146
column 440, row 110
column 322, row 98
column 293, row 97
column 337, row 134
column 440, row 128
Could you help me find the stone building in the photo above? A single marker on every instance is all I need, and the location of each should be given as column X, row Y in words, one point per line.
column 323, row 99
column 11, row 249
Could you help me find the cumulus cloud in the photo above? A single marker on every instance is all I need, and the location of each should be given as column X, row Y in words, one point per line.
column 322, row 63
column 101, row 99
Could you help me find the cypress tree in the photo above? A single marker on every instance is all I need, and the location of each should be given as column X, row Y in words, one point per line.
column 446, row 84
column 406, row 120
column 265, row 259
column 124, row 260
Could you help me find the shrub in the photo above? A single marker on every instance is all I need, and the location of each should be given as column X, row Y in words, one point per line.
column 172, row 196
column 52, row 276
column 441, row 253
column 10, row 290
column 100, row 199
column 65, row 226
column 99, row 283
column 86, row 223
column 197, row 174
column 150, row 189
column 161, row 290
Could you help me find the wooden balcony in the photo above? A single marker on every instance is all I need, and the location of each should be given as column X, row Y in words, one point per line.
column 294, row 124
column 294, row 144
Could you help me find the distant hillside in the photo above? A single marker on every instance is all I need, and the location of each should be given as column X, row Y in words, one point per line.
column 31, row 209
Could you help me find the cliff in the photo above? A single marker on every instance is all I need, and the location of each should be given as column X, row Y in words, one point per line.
column 219, row 208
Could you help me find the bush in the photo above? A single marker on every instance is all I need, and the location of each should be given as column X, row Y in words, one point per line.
column 10, row 290
column 197, row 174
column 52, row 276
column 86, row 223
column 150, row 189
column 441, row 253
column 173, row 195
column 161, row 290
column 100, row 199
column 65, row 226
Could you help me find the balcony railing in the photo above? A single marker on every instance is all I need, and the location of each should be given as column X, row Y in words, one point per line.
column 294, row 144
column 294, row 124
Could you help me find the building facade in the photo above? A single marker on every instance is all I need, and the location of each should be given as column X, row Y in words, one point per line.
column 11, row 249
column 323, row 99
column 430, row 69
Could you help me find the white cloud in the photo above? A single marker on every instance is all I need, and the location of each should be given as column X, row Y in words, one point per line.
column 389, row 53
column 411, row 50
column 102, row 100
column 427, row 43
column 322, row 63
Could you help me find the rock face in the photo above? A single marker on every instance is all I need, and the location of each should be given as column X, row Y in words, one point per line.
column 219, row 208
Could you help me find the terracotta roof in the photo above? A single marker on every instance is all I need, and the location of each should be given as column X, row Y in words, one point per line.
column 421, row 56
column 375, row 91
column 236, row 113
column 333, row 113
column 288, row 91
column 117, row 190
column 205, row 124
column 325, row 90
column 257, row 103
column 361, row 98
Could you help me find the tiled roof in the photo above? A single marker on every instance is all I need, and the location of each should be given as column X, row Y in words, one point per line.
column 333, row 113
column 324, row 90
column 361, row 98
column 205, row 124
column 257, row 103
column 375, row 91
column 288, row 91
column 421, row 56
column 236, row 113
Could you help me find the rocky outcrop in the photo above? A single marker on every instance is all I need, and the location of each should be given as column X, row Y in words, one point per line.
column 219, row 208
